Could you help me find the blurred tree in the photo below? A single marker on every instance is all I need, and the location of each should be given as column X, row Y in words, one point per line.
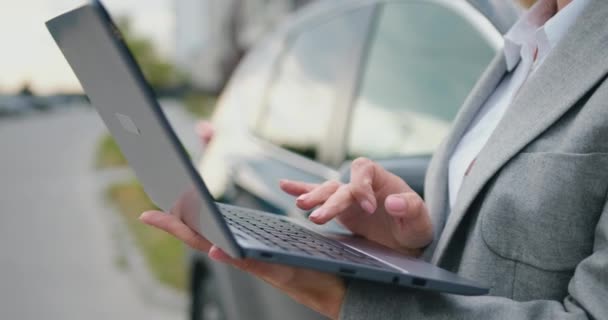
column 30, row 100
column 26, row 90
column 159, row 72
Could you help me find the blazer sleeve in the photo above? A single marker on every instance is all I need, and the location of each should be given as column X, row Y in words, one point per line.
column 587, row 296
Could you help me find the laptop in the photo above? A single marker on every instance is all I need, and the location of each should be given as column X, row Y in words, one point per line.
column 96, row 52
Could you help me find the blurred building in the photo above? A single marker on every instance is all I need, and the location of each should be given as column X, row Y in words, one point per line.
column 212, row 35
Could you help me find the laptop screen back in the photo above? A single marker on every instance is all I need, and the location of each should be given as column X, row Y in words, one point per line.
column 93, row 47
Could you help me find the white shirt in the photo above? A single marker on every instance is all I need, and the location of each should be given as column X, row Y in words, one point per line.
column 526, row 45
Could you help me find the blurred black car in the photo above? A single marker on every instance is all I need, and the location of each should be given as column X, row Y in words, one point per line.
column 338, row 80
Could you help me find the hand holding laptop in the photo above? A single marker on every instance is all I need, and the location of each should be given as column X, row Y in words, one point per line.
column 375, row 204
column 306, row 264
column 322, row 292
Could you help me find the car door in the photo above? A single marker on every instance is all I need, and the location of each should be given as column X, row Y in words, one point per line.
column 422, row 61
column 289, row 137
column 354, row 112
column 319, row 60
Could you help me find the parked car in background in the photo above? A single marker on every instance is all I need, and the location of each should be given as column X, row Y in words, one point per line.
column 340, row 79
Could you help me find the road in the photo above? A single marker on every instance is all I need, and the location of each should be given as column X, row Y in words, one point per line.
column 58, row 258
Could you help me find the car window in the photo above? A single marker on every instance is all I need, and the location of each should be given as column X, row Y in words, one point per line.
column 422, row 62
column 301, row 98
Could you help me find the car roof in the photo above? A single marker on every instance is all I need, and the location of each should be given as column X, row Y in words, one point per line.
column 501, row 14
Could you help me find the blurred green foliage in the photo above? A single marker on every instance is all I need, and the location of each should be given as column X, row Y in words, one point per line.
column 159, row 71
column 200, row 105
column 109, row 154
column 165, row 255
column 163, row 75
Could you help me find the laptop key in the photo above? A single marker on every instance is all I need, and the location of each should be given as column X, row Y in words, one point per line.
column 274, row 232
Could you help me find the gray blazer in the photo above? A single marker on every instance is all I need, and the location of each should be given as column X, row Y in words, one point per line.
column 531, row 218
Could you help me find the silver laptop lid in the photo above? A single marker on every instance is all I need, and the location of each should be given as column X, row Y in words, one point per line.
column 93, row 47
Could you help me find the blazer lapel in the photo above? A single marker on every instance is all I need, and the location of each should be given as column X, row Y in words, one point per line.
column 437, row 175
column 574, row 66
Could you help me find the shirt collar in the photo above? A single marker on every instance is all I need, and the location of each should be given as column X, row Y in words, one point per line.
column 540, row 27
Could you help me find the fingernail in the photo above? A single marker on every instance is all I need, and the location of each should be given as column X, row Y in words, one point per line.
column 317, row 213
column 217, row 254
column 144, row 215
column 302, row 197
column 396, row 203
column 367, row 206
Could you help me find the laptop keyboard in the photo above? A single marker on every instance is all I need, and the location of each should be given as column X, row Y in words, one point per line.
column 275, row 232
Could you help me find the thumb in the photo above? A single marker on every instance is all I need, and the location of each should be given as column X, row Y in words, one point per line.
column 412, row 224
column 406, row 205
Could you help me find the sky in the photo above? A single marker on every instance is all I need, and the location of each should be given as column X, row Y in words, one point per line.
column 28, row 53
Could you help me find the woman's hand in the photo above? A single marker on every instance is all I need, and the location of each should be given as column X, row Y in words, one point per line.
column 205, row 131
column 319, row 291
column 376, row 204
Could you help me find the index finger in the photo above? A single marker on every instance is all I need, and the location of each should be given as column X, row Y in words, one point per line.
column 296, row 188
column 334, row 206
column 361, row 183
